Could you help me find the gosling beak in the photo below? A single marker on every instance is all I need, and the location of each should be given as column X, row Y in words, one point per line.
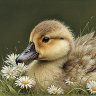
column 28, row 53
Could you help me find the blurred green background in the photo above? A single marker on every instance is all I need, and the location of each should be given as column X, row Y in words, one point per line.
column 18, row 18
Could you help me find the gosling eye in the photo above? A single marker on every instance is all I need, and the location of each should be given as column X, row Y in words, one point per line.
column 45, row 39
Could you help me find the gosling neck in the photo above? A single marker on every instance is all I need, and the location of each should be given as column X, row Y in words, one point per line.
column 58, row 62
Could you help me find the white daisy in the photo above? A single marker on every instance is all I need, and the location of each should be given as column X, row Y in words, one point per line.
column 25, row 82
column 12, row 70
column 9, row 72
column 21, row 67
column 10, row 59
column 91, row 85
column 60, row 91
column 55, row 90
column 69, row 82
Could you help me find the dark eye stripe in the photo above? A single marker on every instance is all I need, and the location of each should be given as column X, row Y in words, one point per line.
column 57, row 38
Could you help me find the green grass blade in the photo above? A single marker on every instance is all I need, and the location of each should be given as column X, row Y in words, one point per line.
column 12, row 90
column 77, row 89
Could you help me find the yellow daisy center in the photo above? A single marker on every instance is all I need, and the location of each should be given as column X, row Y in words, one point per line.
column 25, row 82
column 93, row 88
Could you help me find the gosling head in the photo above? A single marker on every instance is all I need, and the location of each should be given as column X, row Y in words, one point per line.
column 49, row 40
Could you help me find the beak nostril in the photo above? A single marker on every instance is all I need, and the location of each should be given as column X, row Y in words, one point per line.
column 27, row 51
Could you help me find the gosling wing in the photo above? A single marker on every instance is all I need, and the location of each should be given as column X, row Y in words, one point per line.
column 82, row 61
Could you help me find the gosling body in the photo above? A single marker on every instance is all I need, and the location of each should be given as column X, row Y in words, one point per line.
column 60, row 55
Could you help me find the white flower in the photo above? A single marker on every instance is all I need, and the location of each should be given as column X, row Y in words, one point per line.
column 21, row 67
column 55, row 90
column 10, row 59
column 69, row 82
column 91, row 85
column 12, row 70
column 25, row 82
column 60, row 91
column 9, row 72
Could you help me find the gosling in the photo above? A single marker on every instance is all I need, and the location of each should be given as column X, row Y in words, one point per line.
column 57, row 56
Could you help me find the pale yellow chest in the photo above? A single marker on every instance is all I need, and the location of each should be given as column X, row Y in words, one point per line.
column 44, row 74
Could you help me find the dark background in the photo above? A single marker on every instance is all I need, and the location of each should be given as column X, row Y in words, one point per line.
column 18, row 18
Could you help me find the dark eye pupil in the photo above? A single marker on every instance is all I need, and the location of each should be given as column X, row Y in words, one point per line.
column 45, row 39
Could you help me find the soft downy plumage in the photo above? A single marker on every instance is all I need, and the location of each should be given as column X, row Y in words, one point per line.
column 81, row 65
column 61, row 56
